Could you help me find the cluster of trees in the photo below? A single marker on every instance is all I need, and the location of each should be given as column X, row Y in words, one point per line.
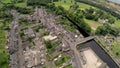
column 38, row 2
column 94, row 14
column 5, row 15
column 50, row 45
column 75, row 17
column 17, row 1
column 107, row 29
column 80, row 22
column 102, row 7
column 22, row 10
column 59, row 10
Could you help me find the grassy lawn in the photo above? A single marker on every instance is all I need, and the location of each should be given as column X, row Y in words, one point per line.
column 21, row 4
column 16, row 4
column 6, row 1
column 117, row 23
column 24, row 4
column 93, row 24
column 3, row 54
column 1, row 5
column 84, row 6
column 67, row 3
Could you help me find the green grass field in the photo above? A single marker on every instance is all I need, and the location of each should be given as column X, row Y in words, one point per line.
column 16, row 4
column 117, row 23
column 3, row 54
column 93, row 24
column 67, row 3
column 21, row 4
column 6, row 1
column 64, row 4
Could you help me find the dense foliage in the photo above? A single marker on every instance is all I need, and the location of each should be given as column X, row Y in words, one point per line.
column 80, row 22
column 95, row 14
column 5, row 18
column 59, row 10
column 5, row 15
column 50, row 45
column 38, row 2
column 107, row 29
column 22, row 10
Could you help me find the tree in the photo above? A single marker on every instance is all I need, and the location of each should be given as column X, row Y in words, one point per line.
column 117, row 53
column 107, row 29
column 90, row 16
column 103, row 30
column 114, row 31
column 111, row 20
column 60, row 10
column 74, row 7
column 38, row 2
column 90, row 11
column 80, row 22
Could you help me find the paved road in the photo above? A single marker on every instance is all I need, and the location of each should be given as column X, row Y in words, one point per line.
column 16, row 43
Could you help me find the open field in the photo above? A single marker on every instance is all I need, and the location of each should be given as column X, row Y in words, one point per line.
column 117, row 23
column 93, row 24
column 23, row 4
column 67, row 3
column 6, row 1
